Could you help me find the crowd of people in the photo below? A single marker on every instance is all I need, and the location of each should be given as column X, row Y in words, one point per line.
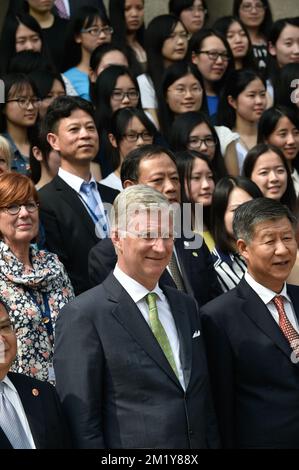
column 131, row 334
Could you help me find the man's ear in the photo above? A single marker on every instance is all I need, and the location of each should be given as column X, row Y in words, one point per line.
column 231, row 101
column 242, row 248
column 128, row 183
column 53, row 140
column 116, row 240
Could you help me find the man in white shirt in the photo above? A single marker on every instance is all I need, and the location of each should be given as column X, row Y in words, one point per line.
column 129, row 357
column 252, row 335
column 30, row 411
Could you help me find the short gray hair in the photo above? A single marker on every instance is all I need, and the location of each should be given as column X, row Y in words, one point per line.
column 137, row 197
column 253, row 212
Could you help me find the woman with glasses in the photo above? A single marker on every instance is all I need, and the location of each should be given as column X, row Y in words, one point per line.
column 194, row 131
column 127, row 19
column 130, row 128
column 212, row 56
column 166, row 42
column 18, row 113
column 88, row 29
column 244, row 101
column 192, row 13
column 115, row 88
column 33, row 283
column 197, row 187
column 256, row 15
column 239, row 40
column 181, row 91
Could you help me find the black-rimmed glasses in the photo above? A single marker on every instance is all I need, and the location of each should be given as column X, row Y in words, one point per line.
column 25, row 102
column 196, row 141
column 213, row 55
column 134, row 136
column 119, row 95
column 96, row 30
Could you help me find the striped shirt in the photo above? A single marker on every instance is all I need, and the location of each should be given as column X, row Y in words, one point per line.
column 230, row 268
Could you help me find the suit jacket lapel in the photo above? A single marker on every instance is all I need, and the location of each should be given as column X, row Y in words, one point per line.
column 127, row 313
column 260, row 315
column 32, row 407
column 184, row 332
column 76, row 205
column 4, row 442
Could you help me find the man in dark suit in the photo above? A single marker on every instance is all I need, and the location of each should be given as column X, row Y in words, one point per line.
column 252, row 336
column 129, row 357
column 71, row 206
column 155, row 166
column 34, row 404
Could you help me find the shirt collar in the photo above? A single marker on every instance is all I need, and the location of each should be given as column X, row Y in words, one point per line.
column 263, row 292
column 9, row 383
column 73, row 181
column 135, row 290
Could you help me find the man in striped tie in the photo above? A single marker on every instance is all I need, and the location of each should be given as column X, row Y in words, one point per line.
column 129, row 358
column 252, row 334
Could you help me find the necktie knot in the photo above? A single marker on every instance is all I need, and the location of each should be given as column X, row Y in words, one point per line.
column 278, row 301
column 86, row 188
column 151, row 300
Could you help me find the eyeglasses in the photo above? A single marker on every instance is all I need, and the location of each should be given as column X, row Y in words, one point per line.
column 247, row 7
column 194, row 9
column 96, row 31
column 196, row 141
column 7, row 329
column 14, row 209
column 134, row 136
column 25, row 102
column 119, row 95
column 182, row 91
column 213, row 55
column 181, row 35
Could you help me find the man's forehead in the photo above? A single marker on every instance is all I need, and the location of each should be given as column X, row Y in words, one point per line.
column 151, row 162
column 151, row 219
column 268, row 226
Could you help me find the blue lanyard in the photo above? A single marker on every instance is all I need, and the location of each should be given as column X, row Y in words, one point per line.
column 45, row 313
column 93, row 215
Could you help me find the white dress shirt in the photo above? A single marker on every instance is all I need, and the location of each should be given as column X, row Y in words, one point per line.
column 75, row 182
column 138, row 292
column 13, row 396
column 267, row 296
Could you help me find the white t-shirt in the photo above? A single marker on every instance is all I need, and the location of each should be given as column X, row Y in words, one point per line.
column 147, row 92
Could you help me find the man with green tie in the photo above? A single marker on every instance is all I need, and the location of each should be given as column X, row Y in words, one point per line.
column 129, row 359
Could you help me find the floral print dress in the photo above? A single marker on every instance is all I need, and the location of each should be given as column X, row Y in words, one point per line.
column 30, row 296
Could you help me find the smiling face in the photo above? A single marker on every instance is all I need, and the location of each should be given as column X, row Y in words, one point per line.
column 126, row 144
column 251, row 102
column 252, row 13
column 201, row 183
column 286, row 137
column 202, row 140
column 271, row 253
column 185, row 94
column 286, row 48
column 17, row 114
column 144, row 251
column 270, row 175
column 76, row 139
column 212, row 70
column 20, row 229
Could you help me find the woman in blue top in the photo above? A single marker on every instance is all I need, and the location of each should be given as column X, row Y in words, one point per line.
column 88, row 29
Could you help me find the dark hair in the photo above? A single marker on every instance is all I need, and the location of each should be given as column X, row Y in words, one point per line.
column 221, row 195
column 195, row 47
column 274, row 34
column 185, row 161
column 117, row 18
column 289, row 197
column 38, row 139
column 267, row 21
column 29, row 61
column 44, row 81
column 102, row 92
column 158, row 30
column 84, row 17
column 118, row 126
column 17, row 82
column 62, row 107
column 99, row 52
column 175, row 7
column 284, row 86
column 181, row 129
column 252, row 213
column 130, row 166
column 237, row 83
column 173, row 73
column 8, row 37
column 223, row 24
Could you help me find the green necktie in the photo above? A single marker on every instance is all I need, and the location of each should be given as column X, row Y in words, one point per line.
column 158, row 330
